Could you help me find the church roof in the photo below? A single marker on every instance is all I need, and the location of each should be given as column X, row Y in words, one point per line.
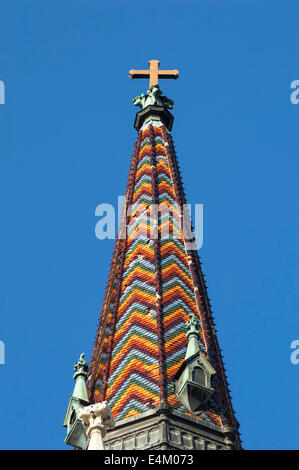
column 154, row 286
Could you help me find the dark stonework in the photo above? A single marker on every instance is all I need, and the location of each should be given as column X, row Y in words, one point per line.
column 155, row 113
column 164, row 429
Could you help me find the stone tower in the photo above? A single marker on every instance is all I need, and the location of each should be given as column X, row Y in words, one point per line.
column 156, row 358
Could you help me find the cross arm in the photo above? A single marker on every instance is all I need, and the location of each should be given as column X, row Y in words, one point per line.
column 169, row 74
column 138, row 73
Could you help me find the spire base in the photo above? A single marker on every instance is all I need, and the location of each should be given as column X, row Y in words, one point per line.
column 153, row 113
column 168, row 429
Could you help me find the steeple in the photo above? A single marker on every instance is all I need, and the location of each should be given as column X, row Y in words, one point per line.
column 165, row 385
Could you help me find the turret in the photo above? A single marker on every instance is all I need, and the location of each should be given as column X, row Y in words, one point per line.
column 76, row 436
column 193, row 379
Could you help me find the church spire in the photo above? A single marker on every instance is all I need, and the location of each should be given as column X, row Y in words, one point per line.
column 154, row 287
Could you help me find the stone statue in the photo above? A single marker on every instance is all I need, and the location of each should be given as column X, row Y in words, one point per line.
column 81, row 367
column 193, row 324
column 96, row 418
column 153, row 97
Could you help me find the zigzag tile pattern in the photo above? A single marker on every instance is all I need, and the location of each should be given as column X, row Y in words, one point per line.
column 131, row 365
column 133, row 384
column 178, row 299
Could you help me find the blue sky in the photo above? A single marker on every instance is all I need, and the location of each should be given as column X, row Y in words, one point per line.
column 66, row 138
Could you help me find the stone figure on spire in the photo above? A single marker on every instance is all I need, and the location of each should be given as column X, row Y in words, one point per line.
column 153, row 97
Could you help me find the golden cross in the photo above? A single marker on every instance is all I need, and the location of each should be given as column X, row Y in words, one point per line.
column 153, row 73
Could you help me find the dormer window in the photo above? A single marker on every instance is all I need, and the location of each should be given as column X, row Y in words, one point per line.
column 193, row 379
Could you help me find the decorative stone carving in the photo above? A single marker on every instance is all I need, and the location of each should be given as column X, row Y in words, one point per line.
column 96, row 419
column 153, row 97
column 176, row 430
column 81, row 367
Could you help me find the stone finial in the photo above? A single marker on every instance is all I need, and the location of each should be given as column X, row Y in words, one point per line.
column 80, row 377
column 81, row 367
column 96, row 418
column 193, row 325
column 192, row 334
column 153, row 97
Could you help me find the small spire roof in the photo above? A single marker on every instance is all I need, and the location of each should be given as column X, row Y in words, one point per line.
column 192, row 335
column 80, row 377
